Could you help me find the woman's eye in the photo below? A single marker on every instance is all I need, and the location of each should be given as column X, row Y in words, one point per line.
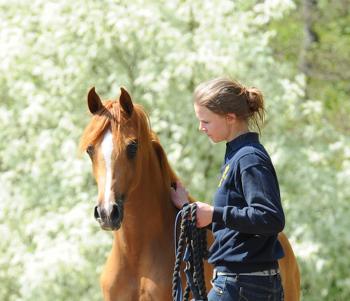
column 90, row 150
column 131, row 149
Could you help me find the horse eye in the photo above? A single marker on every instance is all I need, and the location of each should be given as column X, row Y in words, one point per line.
column 90, row 150
column 131, row 149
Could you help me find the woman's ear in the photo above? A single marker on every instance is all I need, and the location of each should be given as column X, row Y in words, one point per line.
column 231, row 117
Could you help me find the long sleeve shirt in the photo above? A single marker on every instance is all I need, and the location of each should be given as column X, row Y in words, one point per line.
column 248, row 214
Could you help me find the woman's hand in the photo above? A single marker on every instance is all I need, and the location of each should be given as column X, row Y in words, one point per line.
column 204, row 214
column 179, row 196
column 204, row 210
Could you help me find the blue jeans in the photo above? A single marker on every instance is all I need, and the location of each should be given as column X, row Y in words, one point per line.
column 246, row 288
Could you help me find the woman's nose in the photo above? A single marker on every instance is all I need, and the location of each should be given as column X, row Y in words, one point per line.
column 202, row 128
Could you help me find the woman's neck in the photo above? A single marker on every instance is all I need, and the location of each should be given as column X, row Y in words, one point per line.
column 237, row 130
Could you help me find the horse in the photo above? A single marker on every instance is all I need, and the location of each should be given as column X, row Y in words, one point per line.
column 134, row 179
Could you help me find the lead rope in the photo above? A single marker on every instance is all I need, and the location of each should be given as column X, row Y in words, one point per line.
column 192, row 249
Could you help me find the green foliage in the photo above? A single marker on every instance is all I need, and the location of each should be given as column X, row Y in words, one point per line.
column 53, row 51
column 318, row 169
column 329, row 71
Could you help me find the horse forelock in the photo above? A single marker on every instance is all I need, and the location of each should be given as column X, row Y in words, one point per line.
column 98, row 124
column 111, row 116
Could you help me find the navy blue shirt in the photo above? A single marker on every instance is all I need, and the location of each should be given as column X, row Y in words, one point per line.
column 248, row 213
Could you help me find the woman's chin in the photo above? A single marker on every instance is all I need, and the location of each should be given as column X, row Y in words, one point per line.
column 216, row 139
column 213, row 140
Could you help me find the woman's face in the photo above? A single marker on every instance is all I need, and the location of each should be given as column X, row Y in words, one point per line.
column 217, row 127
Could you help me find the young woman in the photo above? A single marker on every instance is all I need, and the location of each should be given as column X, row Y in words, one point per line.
column 246, row 214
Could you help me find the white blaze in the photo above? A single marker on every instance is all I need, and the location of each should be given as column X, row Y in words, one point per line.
column 107, row 148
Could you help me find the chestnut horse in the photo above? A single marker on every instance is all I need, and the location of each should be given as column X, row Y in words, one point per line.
column 134, row 179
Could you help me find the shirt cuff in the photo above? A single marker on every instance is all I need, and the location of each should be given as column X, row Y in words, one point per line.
column 218, row 214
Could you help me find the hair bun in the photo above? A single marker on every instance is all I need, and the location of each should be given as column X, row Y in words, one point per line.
column 254, row 99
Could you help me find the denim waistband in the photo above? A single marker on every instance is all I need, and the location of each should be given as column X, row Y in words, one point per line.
column 270, row 272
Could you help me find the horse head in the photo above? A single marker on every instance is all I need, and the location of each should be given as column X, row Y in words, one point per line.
column 118, row 141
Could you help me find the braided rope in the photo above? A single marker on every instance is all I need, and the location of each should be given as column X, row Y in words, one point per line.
column 194, row 239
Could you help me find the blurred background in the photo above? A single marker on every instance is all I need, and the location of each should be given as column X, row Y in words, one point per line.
column 51, row 52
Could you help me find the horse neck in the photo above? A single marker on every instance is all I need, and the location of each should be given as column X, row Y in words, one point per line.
column 148, row 212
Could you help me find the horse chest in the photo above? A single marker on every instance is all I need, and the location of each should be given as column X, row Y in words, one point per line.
column 128, row 286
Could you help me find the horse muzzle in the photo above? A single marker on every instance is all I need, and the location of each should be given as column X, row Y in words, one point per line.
column 110, row 219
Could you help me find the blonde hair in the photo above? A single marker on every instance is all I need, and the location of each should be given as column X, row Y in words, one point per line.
column 222, row 96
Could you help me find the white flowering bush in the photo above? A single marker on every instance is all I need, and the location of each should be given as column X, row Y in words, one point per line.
column 51, row 52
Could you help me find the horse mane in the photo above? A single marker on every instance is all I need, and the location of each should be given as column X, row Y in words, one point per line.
column 168, row 173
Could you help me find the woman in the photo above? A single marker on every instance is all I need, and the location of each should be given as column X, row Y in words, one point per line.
column 246, row 214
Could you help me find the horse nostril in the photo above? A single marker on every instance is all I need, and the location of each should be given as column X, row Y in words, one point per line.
column 116, row 213
column 100, row 213
column 97, row 214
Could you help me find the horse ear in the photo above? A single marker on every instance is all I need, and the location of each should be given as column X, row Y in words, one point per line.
column 94, row 101
column 126, row 102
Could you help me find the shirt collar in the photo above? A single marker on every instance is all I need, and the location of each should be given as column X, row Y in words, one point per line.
column 240, row 141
